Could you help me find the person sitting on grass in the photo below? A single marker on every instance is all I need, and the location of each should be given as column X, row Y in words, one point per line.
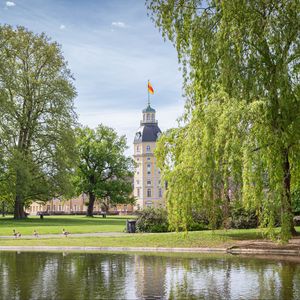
column 35, row 233
column 65, row 233
column 14, row 233
column 19, row 234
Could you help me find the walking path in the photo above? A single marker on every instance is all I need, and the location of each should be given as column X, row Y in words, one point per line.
column 51, row 236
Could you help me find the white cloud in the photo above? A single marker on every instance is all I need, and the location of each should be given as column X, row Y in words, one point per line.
column 62, row 27
column 10, row 3
column 118, row 24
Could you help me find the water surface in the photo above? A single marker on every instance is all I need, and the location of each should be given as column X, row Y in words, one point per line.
column 41, row 275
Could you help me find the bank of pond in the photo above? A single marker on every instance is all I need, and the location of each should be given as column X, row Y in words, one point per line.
column 76, row 275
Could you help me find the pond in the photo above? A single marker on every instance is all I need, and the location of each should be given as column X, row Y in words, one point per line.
column 41, row 275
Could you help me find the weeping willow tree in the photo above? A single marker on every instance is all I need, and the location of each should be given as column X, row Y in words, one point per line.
column 241, row 135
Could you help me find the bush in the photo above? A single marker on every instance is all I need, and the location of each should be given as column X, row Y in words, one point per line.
column 240, row 218
column 296, row 201
column 152, row 220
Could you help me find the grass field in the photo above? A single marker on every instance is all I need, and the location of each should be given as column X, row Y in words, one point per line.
column 82, row 224
column 192, row 239
column 55, row 224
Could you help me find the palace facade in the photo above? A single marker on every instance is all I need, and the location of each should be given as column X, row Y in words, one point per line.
column 78, row 205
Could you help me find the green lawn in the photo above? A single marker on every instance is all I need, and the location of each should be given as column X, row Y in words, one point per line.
column 82, row 224
column 219, row 238
column 193, row 239
column 55, row 224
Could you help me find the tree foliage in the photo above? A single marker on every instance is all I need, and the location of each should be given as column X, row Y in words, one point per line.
column 103, row 171
column 241, row 136
column 36, row 117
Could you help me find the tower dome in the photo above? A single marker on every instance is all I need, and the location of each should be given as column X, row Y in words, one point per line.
column 149, row 130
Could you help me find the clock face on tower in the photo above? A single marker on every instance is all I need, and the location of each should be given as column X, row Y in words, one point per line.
column 138, row 135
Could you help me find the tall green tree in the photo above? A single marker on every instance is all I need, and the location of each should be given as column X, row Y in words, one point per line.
column 240, row 61
column 36, row 116
column 104, row 173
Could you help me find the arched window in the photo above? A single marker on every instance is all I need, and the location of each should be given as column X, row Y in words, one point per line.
column 148, row 117
column 148, row 148
column 148, row 192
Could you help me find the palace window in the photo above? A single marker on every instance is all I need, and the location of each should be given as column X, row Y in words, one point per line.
column 148, row 192
column 148, row 182
column 138, row 192
column 159, row 193
column 148, row 148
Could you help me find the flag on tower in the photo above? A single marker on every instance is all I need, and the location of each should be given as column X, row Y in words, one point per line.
column 150, row 88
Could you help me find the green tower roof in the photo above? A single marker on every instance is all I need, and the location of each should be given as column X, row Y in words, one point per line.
column 149, row 109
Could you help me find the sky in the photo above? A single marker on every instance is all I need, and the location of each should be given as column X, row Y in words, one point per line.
column 112, row 48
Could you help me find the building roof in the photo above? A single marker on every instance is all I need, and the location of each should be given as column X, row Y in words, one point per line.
column 148, row 132
column 149, row 109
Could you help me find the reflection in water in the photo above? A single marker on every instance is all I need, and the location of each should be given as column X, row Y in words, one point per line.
column 34, row 275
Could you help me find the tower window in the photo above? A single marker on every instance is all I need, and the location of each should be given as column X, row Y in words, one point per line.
column 148, row 148
column 149, row 182
column 137, row 148
column 148, row 117
column 138, row 192
column 148, row 192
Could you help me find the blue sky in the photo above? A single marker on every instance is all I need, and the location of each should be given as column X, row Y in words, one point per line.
column 112, row 48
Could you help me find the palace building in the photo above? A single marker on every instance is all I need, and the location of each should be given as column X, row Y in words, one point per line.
column 148, row 188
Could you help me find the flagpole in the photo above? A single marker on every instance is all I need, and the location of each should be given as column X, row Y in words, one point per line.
column 148, row 94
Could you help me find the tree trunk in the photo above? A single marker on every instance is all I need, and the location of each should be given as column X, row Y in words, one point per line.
column 19, row 212
column 105, row 206
column 287, row 224
column 90, row 208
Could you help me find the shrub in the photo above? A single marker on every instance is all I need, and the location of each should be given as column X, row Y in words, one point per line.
column 152, row 220
column 241, row 218
column 296, row 201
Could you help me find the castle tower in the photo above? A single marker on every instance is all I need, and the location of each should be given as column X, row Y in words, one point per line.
column 148, row 188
